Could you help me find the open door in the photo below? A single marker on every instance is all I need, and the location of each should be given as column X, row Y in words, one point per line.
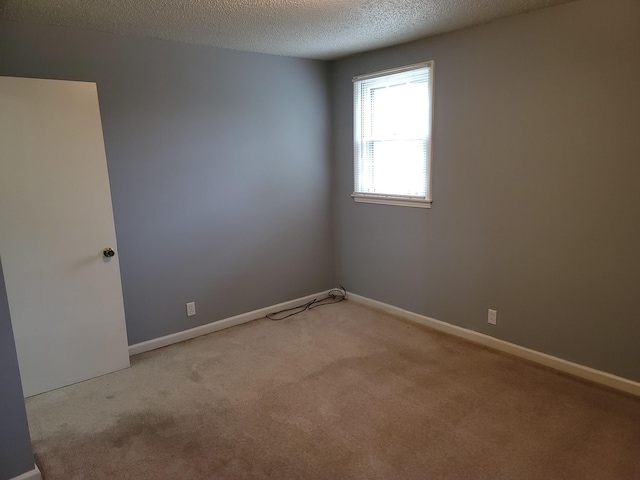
column 56, row 218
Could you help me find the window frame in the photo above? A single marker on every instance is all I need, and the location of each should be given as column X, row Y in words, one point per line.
column 393, row 199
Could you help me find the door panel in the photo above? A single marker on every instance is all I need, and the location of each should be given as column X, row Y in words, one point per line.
column 56, row 218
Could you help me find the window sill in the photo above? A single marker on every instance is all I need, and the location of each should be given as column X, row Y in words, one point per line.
column 395, row 200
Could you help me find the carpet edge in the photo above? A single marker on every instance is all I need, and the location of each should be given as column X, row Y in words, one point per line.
column 30, row 475
column 218, row 325
column 582, row 371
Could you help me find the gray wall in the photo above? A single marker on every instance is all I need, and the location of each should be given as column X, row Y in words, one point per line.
column 219, row 167
column 220, row 175
column 535, row 185
column 16, row 457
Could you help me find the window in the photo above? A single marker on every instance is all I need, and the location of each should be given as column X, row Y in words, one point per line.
column 392, row 136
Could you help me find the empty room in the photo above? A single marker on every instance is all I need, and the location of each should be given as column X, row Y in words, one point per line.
column 319, row 239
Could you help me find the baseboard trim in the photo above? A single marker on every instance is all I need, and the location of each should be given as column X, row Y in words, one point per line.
column 218, row 325
column 30, row 475
column 587, row 373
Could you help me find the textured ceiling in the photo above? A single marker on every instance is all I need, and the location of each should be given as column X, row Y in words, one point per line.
column 322, row 29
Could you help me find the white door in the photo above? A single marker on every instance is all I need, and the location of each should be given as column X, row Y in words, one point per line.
column 56, row 218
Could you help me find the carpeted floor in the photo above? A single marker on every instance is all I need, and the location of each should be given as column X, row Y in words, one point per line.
column 341, row 392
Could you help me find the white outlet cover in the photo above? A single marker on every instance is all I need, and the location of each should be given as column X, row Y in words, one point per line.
column 493, row 317
column 191, row 309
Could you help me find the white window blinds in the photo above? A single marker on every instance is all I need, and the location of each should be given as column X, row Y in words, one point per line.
column 392, row 120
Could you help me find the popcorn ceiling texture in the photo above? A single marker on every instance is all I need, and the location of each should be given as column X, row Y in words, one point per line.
column 321, row 29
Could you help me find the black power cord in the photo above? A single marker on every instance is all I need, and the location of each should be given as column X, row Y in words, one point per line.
column 335, row 295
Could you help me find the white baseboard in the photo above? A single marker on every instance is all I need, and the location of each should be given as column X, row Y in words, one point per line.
column 30, row 475
column 218, row 325
column 588, row 373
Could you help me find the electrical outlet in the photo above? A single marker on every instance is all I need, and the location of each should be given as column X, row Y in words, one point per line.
column 493, row 317
column 191, row 309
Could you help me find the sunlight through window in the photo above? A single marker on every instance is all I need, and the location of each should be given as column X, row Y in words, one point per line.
column 392, row 127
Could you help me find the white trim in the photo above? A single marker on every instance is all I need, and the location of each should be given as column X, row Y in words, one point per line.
column 391, row 200
column 218, row 325
column 588, row 373
column 30, row 475
column 392, row 71
column 431, row 130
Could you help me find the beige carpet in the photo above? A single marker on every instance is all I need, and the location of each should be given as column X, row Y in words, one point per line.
column 341, row 392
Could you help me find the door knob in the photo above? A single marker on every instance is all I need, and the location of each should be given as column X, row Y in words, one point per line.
column 108, row 252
